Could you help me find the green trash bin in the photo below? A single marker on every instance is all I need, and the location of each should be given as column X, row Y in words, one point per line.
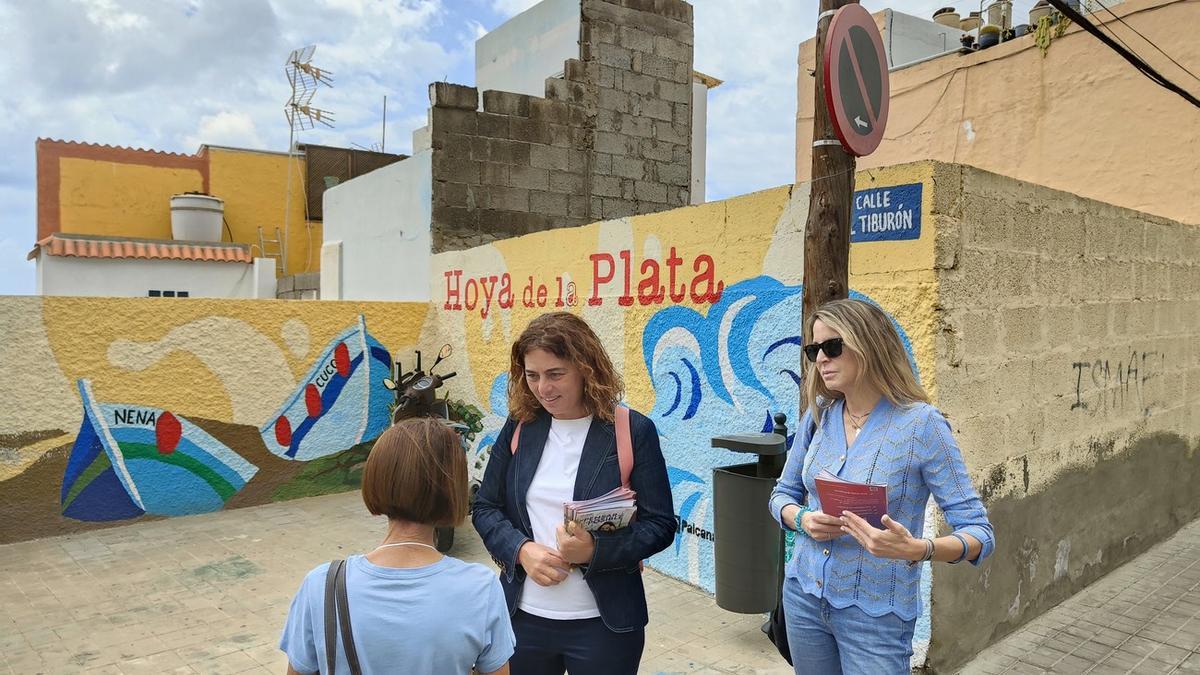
column 748, row 542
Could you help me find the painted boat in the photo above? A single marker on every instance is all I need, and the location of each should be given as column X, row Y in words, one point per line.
column 132, row 459
column 340, row 403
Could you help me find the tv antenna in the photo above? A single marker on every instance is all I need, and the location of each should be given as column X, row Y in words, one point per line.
column 305, row 79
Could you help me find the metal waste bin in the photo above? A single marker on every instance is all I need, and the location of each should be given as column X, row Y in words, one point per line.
column 749, row 543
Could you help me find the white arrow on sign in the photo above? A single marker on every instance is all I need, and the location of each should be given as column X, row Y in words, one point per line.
column 859, row 121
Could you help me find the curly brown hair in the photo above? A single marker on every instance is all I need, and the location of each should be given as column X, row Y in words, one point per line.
column 571, row 338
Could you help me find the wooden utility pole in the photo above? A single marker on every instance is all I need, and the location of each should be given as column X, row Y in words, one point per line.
column 831, row 203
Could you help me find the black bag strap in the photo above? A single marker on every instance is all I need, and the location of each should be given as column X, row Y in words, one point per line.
column 331, row 615
column 337, row 618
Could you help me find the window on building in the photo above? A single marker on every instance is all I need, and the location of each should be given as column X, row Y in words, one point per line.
column 168, row 294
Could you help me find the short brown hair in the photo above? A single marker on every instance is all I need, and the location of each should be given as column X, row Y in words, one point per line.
column 417, row 472
column 568, row 337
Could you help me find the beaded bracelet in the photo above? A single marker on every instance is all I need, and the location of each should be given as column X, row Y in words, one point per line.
column 800, row 514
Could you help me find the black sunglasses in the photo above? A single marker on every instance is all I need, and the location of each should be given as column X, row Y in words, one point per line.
column 832, row 348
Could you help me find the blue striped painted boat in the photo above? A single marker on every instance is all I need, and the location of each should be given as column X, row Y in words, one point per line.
column 340, row 403
column 130, row 459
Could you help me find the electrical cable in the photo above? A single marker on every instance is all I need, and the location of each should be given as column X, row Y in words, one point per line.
column 1137, row 62
column 1148, row 40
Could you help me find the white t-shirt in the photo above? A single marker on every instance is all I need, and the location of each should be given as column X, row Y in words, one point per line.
column 553, row 485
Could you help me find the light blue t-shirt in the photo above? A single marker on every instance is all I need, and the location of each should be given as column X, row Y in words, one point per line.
column 442, row 618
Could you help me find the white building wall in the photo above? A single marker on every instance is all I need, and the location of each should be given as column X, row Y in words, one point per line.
column 522, row 52
column 125, row 277
column 377, row 234
column 908, row 38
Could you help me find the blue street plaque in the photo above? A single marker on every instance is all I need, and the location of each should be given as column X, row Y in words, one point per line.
column 887, row 214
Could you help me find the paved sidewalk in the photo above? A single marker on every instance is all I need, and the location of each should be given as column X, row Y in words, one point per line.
column 208, row 594
column 1142, row 618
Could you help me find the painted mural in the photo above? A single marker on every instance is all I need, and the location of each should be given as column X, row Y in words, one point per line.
column 188, row 407
column 699, row 309
column 341, row 403
column 128, row 460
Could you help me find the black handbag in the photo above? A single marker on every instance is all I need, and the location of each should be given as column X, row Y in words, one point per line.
column 776, row 630
column 776, row 625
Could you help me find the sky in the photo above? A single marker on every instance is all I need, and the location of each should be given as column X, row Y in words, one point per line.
column 173, row 74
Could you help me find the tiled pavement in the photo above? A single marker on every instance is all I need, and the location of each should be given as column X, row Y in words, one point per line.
column 1142, row 618
column 208, row 594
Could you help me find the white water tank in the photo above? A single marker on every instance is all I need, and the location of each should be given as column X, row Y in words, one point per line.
column 196, row 217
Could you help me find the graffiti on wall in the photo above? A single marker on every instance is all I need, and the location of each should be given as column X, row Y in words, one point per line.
column 1104, row 384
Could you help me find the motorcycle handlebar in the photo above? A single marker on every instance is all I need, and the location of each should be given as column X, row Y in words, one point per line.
column 448, row 375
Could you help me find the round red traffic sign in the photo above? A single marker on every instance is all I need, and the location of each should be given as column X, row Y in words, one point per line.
column 856, row 80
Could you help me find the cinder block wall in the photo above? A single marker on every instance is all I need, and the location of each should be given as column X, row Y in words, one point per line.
column 1069, row 366
column 612, row 137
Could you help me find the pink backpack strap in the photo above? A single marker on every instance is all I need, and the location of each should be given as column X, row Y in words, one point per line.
column 512, row 447
column 624, row 442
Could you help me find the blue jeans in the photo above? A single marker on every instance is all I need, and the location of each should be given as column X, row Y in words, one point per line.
column 826, row 640
column 578, row 646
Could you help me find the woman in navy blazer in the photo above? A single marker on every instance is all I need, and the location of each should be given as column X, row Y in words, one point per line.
column 576, row 597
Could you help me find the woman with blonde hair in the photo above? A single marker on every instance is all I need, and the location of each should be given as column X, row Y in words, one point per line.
column 576, row 597
column 851, row 592
column 405, row 607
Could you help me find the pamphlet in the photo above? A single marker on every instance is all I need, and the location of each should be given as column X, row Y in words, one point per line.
column 605, row 513
column 866, row 500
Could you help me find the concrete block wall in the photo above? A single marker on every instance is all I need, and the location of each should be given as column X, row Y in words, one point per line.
column 304, row 286
column 1069, row 366
column 611, row 138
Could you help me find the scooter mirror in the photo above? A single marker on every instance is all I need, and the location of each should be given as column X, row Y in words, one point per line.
column 445, row 353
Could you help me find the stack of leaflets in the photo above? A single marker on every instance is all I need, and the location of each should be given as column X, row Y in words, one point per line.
column 865, row 500
column 605, row 513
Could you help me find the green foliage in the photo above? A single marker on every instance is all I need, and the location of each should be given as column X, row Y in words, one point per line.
column 328, row 475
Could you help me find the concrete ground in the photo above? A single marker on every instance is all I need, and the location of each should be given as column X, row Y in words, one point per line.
column 208, row 594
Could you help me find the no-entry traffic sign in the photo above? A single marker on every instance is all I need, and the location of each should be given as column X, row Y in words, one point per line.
column 856, row 80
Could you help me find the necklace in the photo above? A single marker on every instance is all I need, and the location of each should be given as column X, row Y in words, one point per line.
column 857, row 421
column 406, row 543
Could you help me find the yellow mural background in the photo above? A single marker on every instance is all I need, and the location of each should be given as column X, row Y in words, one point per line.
column 739, row 234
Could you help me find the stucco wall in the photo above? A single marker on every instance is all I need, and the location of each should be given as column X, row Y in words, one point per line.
column 522, row 52
column 121, row 192
column 186, row 398
column 377, row 229
column 1068, row 361
column 1080, row 119
column 68, row 275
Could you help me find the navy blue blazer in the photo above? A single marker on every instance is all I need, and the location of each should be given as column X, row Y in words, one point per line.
column 614, row 575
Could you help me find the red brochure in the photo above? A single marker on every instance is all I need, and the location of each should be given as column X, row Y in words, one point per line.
column 865, row 500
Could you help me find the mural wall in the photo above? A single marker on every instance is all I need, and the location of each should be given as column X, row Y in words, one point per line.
column 132, row 408
column 699, row 308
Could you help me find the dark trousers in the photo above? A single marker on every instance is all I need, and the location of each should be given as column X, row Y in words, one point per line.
column 579, row 646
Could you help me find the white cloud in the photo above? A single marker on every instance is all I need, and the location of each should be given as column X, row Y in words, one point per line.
column 227, row 128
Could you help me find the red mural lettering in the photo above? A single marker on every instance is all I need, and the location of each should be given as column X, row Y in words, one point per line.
column 598, row 278
column 453, row 284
